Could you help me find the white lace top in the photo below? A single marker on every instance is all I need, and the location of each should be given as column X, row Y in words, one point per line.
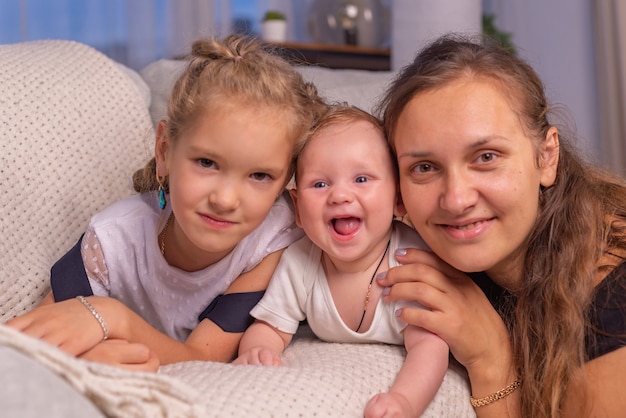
column 122, row 260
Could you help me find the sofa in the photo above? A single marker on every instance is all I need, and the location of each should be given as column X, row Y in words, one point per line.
column 74, row 125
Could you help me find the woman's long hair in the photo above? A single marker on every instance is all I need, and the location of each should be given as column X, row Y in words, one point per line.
column 581, row 219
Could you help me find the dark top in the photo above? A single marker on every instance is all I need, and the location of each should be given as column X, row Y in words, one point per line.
column 606, row 331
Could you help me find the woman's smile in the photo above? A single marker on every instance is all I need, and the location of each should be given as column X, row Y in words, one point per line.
column 468, row 231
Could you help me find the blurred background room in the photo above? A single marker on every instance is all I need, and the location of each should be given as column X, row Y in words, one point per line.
column 577, row 46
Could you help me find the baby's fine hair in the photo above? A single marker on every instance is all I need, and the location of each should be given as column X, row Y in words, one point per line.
column 343, row 113
column 241, row 71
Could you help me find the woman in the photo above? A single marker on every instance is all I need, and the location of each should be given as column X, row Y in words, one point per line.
column 538, row 315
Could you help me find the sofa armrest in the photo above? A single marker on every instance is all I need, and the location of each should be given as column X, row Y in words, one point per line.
column 73, row 129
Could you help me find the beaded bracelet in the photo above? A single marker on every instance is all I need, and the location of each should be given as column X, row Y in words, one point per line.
column 502, row 393
column 96, row 314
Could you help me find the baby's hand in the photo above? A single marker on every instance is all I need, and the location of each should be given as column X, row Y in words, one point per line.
column 388, row 405
column 259, row 356
column 125, row 355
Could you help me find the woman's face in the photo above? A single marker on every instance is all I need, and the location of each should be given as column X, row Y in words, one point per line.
column 469, row 178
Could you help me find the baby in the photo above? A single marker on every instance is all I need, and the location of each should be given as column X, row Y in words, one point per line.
column 346, row 195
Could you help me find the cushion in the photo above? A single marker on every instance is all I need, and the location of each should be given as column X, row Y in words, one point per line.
column 73, row 128
column 357, row 87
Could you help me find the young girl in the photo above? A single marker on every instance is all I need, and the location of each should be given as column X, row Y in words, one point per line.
column 498, row 192
column 176, row 269
column 345, row 198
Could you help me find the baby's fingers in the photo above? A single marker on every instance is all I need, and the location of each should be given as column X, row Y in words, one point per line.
column 258, row 356
column 268, row 358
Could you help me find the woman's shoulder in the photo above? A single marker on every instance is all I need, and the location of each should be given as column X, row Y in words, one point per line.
column 612, row 288
column 608, row 314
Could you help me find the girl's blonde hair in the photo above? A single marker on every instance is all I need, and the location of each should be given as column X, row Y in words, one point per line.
column 241, row 71
column 582, row 219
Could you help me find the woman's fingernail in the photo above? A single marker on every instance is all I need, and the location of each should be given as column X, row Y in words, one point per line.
column 398, row 312
column 381, row 275
column 401, row 252
column 386, row 291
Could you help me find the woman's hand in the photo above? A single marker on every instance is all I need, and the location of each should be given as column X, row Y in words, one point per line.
column 68, row 325
column 125, row 355
column 459, row 312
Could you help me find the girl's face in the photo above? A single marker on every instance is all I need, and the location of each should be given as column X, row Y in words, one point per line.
column 225, row 173
column 346, row 192
column 469, row 178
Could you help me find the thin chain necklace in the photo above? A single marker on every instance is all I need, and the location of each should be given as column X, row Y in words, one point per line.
column 163, row 234
column 369, row 287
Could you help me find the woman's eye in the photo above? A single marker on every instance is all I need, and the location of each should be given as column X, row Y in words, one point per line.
column 319, row 184
column 423, row 168
column 361, row 179
column 206, row 163
column 487, row 157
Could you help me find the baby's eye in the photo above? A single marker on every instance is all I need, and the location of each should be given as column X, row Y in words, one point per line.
column 206, row 163
column 319, row 184
column 361, row 179
column 261, row 176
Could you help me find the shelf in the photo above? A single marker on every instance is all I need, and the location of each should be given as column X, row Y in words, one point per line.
column 336, row 56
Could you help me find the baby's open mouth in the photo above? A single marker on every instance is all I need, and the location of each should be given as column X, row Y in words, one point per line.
column 346, row 226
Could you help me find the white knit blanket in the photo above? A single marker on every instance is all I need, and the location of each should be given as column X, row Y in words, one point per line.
column 118, row 393
column 321, row 379
column 73, row 128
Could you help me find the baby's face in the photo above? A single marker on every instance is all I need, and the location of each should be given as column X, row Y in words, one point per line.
column 346, row 192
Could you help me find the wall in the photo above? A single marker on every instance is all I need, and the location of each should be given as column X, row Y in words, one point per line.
column 556, row 37
column 415, row 23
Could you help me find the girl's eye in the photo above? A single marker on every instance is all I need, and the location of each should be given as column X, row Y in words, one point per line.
column 319, row 184
column 361, row 179
column 206, row 163
column 261, row 176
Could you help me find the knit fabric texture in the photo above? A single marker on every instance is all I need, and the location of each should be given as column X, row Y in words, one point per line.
column 73, row 128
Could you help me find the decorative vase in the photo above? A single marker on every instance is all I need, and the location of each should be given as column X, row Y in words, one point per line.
column 274, row 30
column 365, row 23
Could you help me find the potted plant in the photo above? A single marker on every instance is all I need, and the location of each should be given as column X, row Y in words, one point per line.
column 274, row 26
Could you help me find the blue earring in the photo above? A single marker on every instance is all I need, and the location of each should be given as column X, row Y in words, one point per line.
column 162, row 202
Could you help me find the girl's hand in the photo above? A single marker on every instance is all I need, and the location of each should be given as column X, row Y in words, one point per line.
column 125, row 355
column 68, row 325
column 459, row 312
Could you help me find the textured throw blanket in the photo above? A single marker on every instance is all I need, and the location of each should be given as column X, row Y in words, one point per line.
column 321, row 379
column 118, row 393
